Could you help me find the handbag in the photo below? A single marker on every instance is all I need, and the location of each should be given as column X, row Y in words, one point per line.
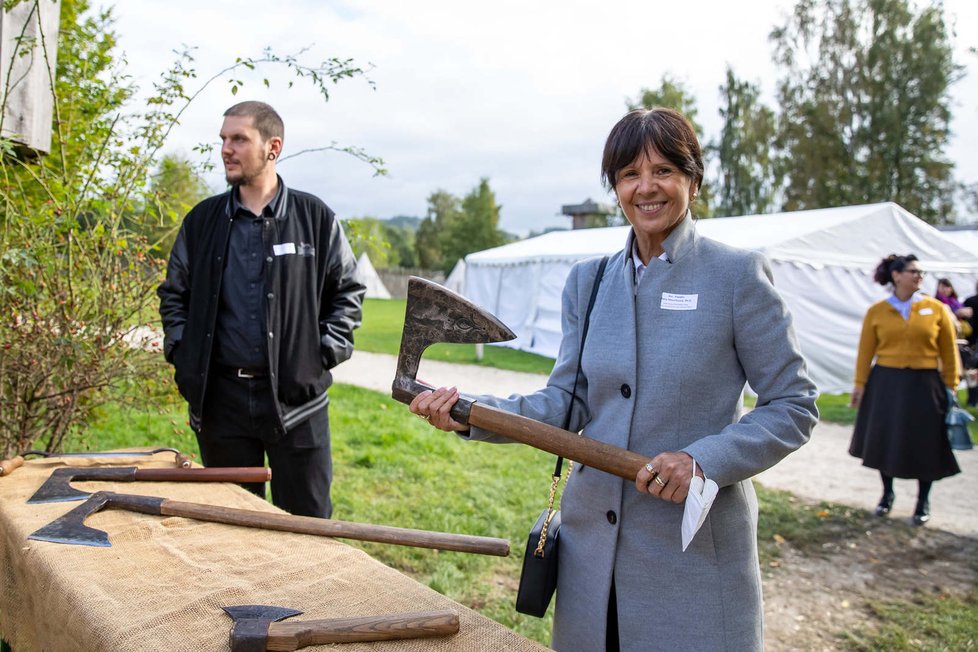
column 957, row 420
column 538, row 578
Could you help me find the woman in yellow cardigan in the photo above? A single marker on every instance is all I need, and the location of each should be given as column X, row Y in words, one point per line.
column 902, row 400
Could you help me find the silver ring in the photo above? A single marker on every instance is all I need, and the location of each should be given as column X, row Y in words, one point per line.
column 651, row 469
column 659, row 481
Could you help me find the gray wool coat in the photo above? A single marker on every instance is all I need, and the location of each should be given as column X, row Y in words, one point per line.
column 656, row 378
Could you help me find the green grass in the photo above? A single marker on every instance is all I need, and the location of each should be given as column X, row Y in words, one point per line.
column 928, row 622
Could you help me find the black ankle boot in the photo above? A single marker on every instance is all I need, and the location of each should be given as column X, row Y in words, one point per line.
column 922, row 513
column 886, row 504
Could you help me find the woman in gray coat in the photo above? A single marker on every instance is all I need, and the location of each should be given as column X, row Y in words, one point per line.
column 680, row 324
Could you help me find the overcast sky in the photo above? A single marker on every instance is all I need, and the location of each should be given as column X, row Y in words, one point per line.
column 522, row 93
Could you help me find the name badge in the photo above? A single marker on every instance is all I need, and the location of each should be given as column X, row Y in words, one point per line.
column 679, row 301
column 284, row 249
column 926, row 311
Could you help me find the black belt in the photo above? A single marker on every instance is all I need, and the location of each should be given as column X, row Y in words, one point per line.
column 242, row 372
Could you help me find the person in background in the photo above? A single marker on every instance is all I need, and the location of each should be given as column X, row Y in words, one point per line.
column 902, row 401
column 680, row 324
column 969, row 359
column 259, row 302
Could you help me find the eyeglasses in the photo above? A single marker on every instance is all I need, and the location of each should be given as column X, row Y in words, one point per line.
column 915, row 272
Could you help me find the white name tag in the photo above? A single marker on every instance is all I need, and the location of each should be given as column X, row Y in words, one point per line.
column 926, row 311
column 679, row 301
column 284, row 249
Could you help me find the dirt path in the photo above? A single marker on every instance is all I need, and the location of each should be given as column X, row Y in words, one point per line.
column 810, row 600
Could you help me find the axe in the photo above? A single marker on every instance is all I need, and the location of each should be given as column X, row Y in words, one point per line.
column 436, row 314
column 256, row 628
column 8, row 466
column 57, row 488
column 71, row 528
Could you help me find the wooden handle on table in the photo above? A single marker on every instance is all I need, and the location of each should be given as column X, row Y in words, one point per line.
column 7, row 466
column 183, row 461
column 286, row 636
column 210, row 474
column 341, row 529
column 589, row 452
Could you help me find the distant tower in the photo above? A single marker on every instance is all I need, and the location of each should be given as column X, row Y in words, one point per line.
column 588, row 214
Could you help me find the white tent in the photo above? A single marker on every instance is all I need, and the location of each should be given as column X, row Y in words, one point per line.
column 367, row 275
column 822, row 260
column 456, row 278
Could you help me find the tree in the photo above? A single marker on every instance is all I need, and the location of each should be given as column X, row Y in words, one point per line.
column 76, row 281
column 748, row 180
column 477, row 228
column 673, row 94
column 444, row 210
column 865, row 105
column 175, row 186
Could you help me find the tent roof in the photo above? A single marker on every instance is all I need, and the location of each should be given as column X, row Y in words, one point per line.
column 369, row 277
column 850, row 236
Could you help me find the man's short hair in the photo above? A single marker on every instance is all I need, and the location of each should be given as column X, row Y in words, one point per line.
column 267, row 121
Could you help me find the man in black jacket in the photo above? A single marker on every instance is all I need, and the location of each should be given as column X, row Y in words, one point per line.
column 259, row 303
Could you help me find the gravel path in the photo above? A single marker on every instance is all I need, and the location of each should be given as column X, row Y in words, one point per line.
column 820, row 470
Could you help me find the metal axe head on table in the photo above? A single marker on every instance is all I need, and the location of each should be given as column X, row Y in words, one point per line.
column 71, row 528
column 257, row 628
column 57, row 488
column 436, row 314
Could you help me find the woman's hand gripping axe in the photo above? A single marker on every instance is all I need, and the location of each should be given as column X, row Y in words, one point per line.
column 436, row 314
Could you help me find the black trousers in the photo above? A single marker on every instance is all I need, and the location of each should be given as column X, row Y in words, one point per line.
column 239, row 427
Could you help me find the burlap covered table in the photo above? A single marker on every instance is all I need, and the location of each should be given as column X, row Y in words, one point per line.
column 163, row 582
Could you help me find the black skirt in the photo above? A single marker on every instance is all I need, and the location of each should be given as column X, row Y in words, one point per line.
column 900, row 427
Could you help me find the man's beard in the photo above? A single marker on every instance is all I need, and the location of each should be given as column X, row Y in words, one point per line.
column 243, row 178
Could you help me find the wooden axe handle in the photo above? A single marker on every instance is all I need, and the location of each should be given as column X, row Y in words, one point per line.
column 341, row 529
column 210, row 474
column 589, row 452
column 7, row 466
column 286, row 636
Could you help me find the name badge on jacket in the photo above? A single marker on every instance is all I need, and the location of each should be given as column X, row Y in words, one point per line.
column 679, row 301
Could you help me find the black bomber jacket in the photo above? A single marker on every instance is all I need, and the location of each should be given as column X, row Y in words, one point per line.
column 313, row 300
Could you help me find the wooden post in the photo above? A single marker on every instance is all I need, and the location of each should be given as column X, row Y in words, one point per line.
column 28, row 61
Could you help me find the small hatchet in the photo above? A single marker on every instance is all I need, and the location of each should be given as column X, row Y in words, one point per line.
column 57, row 488
column 71, row 528
column 436, row 314
column 256, row 628
column 8, row 466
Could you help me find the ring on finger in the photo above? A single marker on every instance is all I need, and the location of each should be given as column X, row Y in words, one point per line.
column 659, row 481
column 651, row 469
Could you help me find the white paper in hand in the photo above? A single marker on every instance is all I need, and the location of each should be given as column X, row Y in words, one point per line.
column 698, row 503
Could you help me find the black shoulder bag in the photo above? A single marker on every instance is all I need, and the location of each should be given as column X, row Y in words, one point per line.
column 538, row 579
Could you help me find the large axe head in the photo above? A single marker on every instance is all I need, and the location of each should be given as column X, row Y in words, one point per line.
column 436, row 314
column 57, row 488
column 249, row 632
column 71, row 528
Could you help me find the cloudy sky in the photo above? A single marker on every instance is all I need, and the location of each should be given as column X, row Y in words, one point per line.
column 522, row 93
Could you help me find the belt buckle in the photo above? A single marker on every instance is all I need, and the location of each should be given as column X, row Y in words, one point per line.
column 243, row 373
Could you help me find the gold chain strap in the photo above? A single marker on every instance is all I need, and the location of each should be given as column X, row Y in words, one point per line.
column 550, row 510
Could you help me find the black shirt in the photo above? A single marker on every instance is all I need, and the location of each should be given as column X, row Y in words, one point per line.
column 240, row 333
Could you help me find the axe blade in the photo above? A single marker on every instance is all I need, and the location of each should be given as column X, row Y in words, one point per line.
column 71, row 528
column 434, row 314
column 57, row 488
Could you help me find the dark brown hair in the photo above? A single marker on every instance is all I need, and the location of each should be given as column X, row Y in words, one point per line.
column 892, row 263
column 267, row 121
column 947, row 282
column 666, row 131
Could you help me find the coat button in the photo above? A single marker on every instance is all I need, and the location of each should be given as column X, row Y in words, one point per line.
column 626, row 391
column 612, row 517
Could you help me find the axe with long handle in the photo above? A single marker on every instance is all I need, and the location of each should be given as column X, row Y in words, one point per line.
column 57, row 488
column 71, row 528
column 8, row 466
column 256, row 628
column 435, row 314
